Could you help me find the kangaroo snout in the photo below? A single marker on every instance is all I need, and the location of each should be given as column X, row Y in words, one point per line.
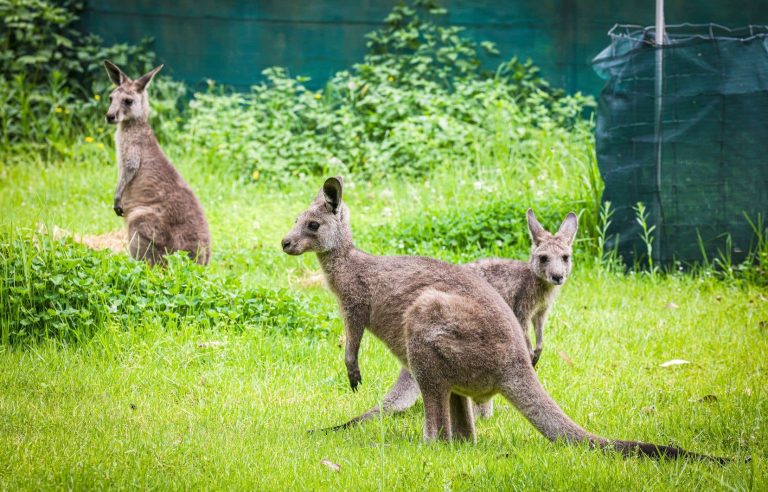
column 111, row 118
column 557, row 279
column 290, row 246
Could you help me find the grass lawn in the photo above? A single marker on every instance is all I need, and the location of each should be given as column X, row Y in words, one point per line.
column 143, row 407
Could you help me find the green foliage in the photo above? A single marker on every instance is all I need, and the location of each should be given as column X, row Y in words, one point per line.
column 58, row 289
column 646, row 234
column 755, row 267
column 51, row 79
column 39, row 39
column 270, row 132
column 489, row 228
column 420, row 100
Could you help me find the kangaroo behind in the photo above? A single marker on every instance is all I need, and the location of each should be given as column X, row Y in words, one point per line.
column 530, row 288
column 162, row 212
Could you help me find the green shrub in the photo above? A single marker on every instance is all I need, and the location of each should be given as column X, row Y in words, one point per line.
column 420, row 100
column 62, row 290
column 52, row 84
column 491, row 228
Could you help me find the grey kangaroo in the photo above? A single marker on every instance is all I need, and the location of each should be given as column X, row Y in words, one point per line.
column 452, row 330
column 529, row 288
column 162, row 212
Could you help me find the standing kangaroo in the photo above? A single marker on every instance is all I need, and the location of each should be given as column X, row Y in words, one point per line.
column 452, row 330
column 162, row 212
column 529, row 288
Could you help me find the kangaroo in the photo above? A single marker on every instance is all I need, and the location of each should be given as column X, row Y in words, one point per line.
column 162, row 212
column 529, row 288
column 446, row 325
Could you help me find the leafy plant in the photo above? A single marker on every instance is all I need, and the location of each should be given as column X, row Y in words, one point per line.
column 490, row 228
column 641, row 216
column 756, row 264
column 419, row 100
column 611, row 258
column 59, row 289
column 51, row 79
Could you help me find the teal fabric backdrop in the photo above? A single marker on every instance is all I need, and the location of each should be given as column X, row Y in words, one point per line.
column 233, row 41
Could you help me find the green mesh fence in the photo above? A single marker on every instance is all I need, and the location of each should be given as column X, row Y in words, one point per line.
column 700, row 165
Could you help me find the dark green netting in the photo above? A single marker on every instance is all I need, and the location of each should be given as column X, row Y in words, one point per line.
column 232, row 41
column 712, row 136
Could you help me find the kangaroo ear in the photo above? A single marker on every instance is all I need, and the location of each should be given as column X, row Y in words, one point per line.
column 332, row 193
column 143, row 81
column 115, row 74
column 534, row 228
column 568, row 227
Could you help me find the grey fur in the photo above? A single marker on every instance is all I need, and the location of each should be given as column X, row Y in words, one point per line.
column 529, row 288
column 162, row 212
column 452, row 330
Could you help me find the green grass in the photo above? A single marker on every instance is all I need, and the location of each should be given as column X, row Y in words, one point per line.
column 140, row 405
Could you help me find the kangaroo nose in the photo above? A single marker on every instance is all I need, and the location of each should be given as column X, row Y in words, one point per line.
column 558, row 279
column 110, row 118
column 286, row 244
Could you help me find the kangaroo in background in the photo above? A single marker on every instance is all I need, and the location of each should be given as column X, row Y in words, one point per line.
column 529, row 288
column 452, row 330
column 162, row 212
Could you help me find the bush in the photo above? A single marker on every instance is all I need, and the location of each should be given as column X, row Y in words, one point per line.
column 51, row 78
column 59, row 289
column 492, row 227
column 419, row 100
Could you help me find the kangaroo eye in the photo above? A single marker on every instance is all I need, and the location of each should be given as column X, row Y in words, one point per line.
column 313, row 226
column 566, row 258
column 543, row 258
column 128, row 102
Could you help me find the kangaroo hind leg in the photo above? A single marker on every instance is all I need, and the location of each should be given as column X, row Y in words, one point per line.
column 462, row 418
column 437, row 415
column 143, row 248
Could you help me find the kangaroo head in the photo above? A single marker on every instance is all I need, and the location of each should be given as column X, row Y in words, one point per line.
column 551, row 253
column 324, row 226
column 129, row 101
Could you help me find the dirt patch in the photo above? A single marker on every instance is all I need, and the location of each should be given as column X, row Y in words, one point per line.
column 116, row 240
column 312, row 279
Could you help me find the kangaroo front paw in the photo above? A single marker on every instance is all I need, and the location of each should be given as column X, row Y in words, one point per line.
column 354, row 378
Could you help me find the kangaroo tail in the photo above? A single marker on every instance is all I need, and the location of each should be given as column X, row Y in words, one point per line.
column 629, row 448
column 529, row 397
